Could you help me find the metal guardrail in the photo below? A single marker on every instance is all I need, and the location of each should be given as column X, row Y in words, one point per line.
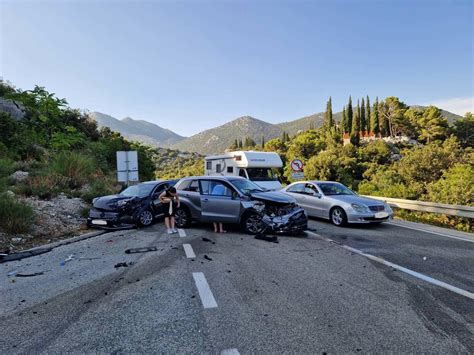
column 441, row 208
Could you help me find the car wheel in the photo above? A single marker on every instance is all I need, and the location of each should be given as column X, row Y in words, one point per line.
column 182, row 217
column 252, row 224
column 145, row 218
column 338, row 217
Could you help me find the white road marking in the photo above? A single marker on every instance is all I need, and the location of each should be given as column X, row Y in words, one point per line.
column 188, row 249
column 230, row 352
column 423, row 277
column 432, row 232
column 207, row 298
column 181, row 233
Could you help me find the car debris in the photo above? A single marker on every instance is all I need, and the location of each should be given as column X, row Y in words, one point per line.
column 124, row 264
column 207, row 258
column 140, row 250
column 30, row 275
column 272, row 239
column 68, row 259
column 204, row 239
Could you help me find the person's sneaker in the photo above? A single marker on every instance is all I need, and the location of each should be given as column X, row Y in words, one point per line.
column 170, row 231
column 175, row 230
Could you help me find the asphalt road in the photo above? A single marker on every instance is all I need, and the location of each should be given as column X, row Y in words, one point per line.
column 302, row 295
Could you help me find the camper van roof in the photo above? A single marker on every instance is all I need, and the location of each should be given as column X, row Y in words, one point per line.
column 252, row 159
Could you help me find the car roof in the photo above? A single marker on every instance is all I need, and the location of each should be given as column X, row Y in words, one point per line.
column 158, row 181
column 215, row 177
column 315, row 182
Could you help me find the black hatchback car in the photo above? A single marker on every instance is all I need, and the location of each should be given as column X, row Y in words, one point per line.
column 136, row 205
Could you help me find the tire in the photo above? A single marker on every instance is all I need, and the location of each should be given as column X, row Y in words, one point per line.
column 145, row 218
column 252, row 224
column 338, row 217
column 183, row 217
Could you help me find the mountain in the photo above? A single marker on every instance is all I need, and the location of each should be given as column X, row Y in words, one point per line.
column 138, row 130
column 216, row 140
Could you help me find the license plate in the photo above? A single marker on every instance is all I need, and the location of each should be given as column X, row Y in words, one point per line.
column 99, row 222
column 381, row 215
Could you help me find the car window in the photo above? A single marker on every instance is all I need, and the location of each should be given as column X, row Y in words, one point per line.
column 190, row 185
column 160, row 188
column 310, row 189
column 215, row 188
column 334, row 189
column 140, row 190
column 297, row 188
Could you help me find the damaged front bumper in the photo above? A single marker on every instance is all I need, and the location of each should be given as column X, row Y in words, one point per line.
column 294, row 222
column 109, row 220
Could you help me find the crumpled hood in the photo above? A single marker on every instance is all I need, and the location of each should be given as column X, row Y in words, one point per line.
column 273, row 196
column 108, row 202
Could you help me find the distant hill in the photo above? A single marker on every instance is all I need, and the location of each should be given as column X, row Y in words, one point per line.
column 138, row 130
column 216, row 140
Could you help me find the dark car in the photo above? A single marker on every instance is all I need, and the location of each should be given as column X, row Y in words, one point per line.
column 237, row 200
column 136, row 205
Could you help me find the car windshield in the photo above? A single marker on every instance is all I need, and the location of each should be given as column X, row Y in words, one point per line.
column 261, row 174
column 334, row 189
column 246, row 187
column 141, row 190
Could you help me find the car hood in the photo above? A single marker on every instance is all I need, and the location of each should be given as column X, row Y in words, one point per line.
column 273, row 196
column 356, row 199
column 108, row 202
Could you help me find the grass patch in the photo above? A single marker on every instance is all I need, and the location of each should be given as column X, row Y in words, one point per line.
column 99, row 188
column 77, row 168
column 44, row 186
column 440, row 220
column 15, row 216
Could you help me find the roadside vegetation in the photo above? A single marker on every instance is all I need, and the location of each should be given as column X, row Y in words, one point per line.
column 410, row 153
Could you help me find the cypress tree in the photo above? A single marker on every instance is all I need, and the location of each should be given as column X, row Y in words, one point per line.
column 363, row 120
column 344, row 121
column 283, row 137
column 355, row 132
column 240, row 143
column 263, row 142
column 374, row 118
column 328, row 120
column 349, row 115
column 367, row 114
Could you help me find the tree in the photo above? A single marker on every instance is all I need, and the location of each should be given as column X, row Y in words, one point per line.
column 344, row 121
column 367, row 114
column 456, row 186
column 240, row 143
column 363, row 120
column 311, row 126
column 432, row 125
column 464, row 129
column 355, row 130
column 328, row 119
column 374, row 118
column 349, row 115
column 263, row 142
column 392, row 112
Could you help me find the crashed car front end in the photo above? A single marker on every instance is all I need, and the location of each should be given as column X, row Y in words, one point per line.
column 113, row 214
column 281, row 218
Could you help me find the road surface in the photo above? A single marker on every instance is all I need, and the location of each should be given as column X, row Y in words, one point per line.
column 235, row 294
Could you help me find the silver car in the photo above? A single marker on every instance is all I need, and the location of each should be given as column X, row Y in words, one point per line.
column 334, row 201
column 238, row 201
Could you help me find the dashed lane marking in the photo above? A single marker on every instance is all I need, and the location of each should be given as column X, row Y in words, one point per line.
column 423, row 277
column 207, row 298
column 230, row 352
column 181, row 233
column 188, row 249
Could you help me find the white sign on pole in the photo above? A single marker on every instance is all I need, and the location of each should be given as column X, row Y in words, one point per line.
column 127, row 166
column 297, row 176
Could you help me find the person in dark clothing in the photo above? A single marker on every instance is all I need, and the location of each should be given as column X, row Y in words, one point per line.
column 170, row 201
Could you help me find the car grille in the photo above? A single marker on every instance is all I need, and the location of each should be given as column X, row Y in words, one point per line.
column 376, row 208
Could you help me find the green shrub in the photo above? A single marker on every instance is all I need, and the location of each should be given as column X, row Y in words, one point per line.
column 97, row 188
column 6, row 167
column 78, row 168
column 44, row 186
column 15, row 216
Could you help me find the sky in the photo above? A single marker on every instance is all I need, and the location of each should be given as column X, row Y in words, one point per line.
column 193, row 65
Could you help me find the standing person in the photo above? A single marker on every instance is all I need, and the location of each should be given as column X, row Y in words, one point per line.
column 219, row 227
column 170, row 201
column 219, row 190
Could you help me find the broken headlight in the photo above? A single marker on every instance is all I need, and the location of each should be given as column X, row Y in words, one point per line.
column 259, row 207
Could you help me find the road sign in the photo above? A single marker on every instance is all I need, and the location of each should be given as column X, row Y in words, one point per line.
column 297, row 176
column 296, row 165
column 127, row 166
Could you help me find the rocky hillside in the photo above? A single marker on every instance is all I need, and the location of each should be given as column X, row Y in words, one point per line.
column 216, row 140
column 138, row 130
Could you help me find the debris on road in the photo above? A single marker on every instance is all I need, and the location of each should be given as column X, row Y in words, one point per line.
column 124, row 264
column 140, row 250
column 68, row 259
column 30, row 275
column 204, row 239
column 207, row 258
column 424, row 258
column 273, row 239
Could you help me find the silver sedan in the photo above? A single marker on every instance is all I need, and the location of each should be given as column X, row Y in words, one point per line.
column 334, row 201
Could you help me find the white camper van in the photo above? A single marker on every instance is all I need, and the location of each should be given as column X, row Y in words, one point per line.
column 255, row 166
